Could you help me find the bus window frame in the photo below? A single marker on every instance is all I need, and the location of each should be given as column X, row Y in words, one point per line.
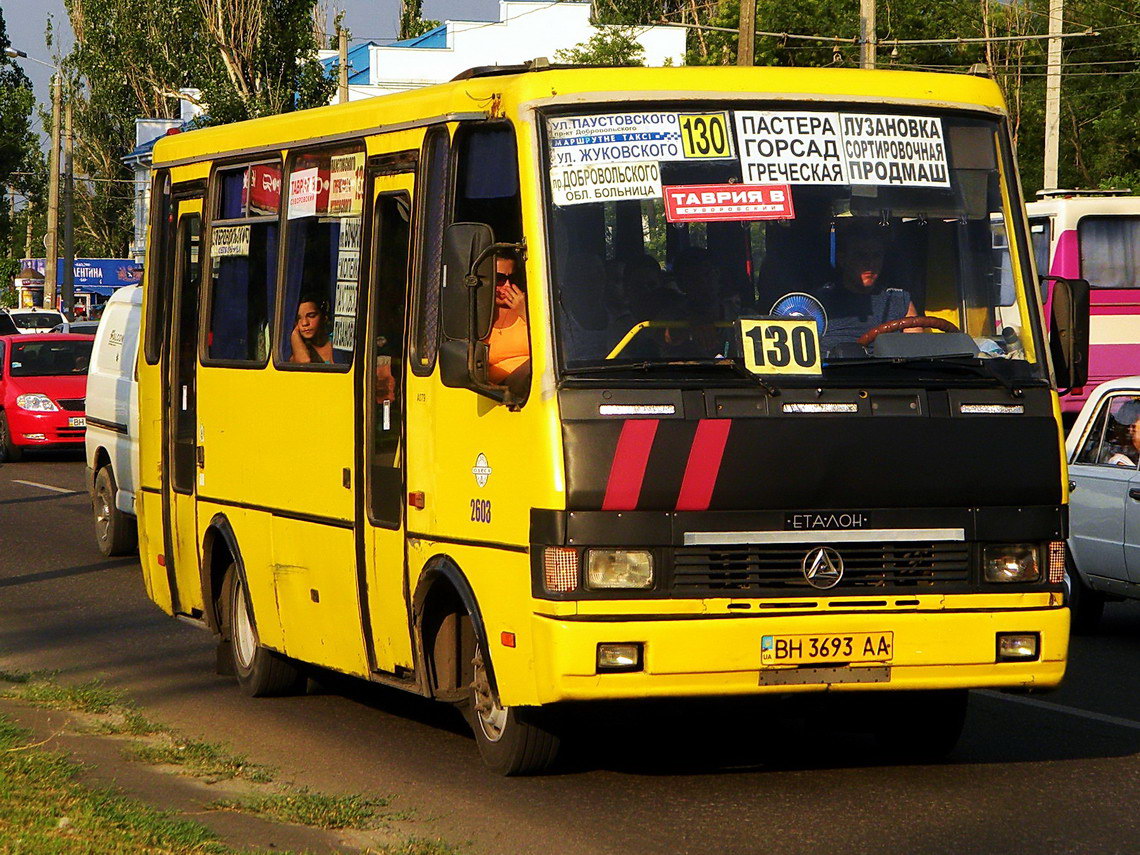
column 283, row 253
column 158, row 266
column 1090, row 218
column 211, row 204
column 1006, row 167
column 417, row 338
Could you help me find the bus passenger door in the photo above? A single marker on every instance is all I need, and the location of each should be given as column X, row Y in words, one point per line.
column 382, row 422
column 180, row 422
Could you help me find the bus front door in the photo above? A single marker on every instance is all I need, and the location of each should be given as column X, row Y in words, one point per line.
column 180, row 448
column 383, row 424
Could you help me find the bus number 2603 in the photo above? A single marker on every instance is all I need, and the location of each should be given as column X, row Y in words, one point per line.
column 481, row 510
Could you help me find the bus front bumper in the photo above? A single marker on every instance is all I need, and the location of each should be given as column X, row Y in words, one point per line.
column 694, row 655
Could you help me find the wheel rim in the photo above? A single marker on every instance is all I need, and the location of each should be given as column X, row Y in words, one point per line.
column 492, row 717
column 102, row 513
column 244, row 638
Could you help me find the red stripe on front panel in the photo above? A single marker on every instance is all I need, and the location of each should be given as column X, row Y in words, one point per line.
column 704, row 464
column 628, row 468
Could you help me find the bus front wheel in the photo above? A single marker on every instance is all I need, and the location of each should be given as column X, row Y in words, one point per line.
column 511, row 740
column 260, row 672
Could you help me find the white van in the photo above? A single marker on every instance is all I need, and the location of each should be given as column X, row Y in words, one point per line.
column 113, row 422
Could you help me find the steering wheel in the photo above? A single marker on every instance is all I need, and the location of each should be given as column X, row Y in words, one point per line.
column 925, row 322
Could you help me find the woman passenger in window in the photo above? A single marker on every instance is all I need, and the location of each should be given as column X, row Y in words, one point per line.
column 310, row 337
column 508, row 345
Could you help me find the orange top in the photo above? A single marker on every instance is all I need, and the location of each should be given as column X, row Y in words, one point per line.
column 507, row 348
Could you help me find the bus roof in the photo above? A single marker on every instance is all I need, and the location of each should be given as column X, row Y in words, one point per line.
column 464, row 98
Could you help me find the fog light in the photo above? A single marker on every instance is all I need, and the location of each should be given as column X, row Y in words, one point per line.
column 619, row 568
column 560, row 569
column 35, row 436
column 1056, row 562
column 1011, row 562
column 1017, row 646
column 624, row 656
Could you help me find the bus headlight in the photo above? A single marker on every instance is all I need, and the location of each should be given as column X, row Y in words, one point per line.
column 619, row 568
column 36, row 403
column 1010, row 562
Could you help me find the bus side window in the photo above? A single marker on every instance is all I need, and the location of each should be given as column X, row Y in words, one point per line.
column 243, row 264
column 432, row 218
column 322, row 257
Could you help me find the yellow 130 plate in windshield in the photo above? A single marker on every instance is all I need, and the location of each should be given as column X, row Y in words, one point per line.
column 780, row 345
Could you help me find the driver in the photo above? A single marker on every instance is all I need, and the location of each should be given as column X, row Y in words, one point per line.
column 857, row 298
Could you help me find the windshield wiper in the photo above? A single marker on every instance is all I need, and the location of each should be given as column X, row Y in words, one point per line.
column 974, row 366
column 646, row 365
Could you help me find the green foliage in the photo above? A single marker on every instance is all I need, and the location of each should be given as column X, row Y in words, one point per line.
column 201, row 758
column 617, row 46
column 18, row 150
column 305, row 807
column 412, row 21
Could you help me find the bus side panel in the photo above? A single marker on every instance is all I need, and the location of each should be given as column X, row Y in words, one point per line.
column 317, row 595
column 149, row 508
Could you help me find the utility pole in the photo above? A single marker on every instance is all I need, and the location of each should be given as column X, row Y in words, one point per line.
column 1053, row 96
column 50, row 240
column 342, row 50
column 68, row 217
column 746, row 38
column 867, row 38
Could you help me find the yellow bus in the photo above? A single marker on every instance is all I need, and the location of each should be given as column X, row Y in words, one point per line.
column 550, row 385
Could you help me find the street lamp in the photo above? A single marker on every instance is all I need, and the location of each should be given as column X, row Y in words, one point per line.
column 51, row 245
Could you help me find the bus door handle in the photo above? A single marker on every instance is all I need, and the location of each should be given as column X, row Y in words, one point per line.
column 1134, row 493
column 200, row 455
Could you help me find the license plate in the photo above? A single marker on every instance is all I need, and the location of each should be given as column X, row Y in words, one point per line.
column 77, row 421
column 855, row 647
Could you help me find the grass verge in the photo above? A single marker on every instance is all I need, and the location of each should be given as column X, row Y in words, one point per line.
column 319, row 810
column 205, row 759
column 44, row 809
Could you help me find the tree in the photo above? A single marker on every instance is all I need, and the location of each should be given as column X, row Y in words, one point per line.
column 607, row 46
column 17, row 157
column 412, row 21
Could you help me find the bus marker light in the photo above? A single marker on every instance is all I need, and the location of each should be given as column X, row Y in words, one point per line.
column 1057, row 562
column 624, row 656
column 508, row 639
column 416, row 499
column 161, row 560
column 560, row 569
column 1017, row 646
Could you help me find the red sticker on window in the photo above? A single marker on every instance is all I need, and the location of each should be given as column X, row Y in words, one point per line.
column 707, row 203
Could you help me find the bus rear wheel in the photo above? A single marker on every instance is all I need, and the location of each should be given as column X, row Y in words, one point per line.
column 260, row 672
column 511, row 740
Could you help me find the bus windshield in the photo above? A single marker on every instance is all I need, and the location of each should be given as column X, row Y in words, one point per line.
column 667, row 228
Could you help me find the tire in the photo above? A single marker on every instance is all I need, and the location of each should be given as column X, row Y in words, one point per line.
column 511, row 740
column 921, row 726
column 1085, row 605
column 9, row 451
column 260, row 672
column 115, row 532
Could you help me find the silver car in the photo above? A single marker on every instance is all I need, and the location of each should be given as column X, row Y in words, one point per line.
column 1103, row 449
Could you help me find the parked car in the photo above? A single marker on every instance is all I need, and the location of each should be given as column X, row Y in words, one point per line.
column 36, row 320
column 43, row 382
column 1103, row 448
column 112, row 423
column 80, row 327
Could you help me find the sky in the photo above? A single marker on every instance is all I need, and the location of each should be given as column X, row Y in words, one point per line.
column 367, row 19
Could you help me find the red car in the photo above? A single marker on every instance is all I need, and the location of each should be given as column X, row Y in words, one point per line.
column 43, row 388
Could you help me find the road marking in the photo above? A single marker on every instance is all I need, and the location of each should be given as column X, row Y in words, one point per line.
column 46, row 487
column 1061, row 708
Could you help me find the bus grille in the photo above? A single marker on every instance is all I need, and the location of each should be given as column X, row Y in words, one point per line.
column 76, row 405
column 765, row 569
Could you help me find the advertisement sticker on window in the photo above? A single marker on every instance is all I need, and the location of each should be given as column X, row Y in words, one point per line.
column 308, row 193
column 625, row 137
column 710, row 203
column 347, row 277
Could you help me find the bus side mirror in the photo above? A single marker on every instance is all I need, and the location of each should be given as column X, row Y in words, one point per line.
column 1069, row 333
column 467, row 301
